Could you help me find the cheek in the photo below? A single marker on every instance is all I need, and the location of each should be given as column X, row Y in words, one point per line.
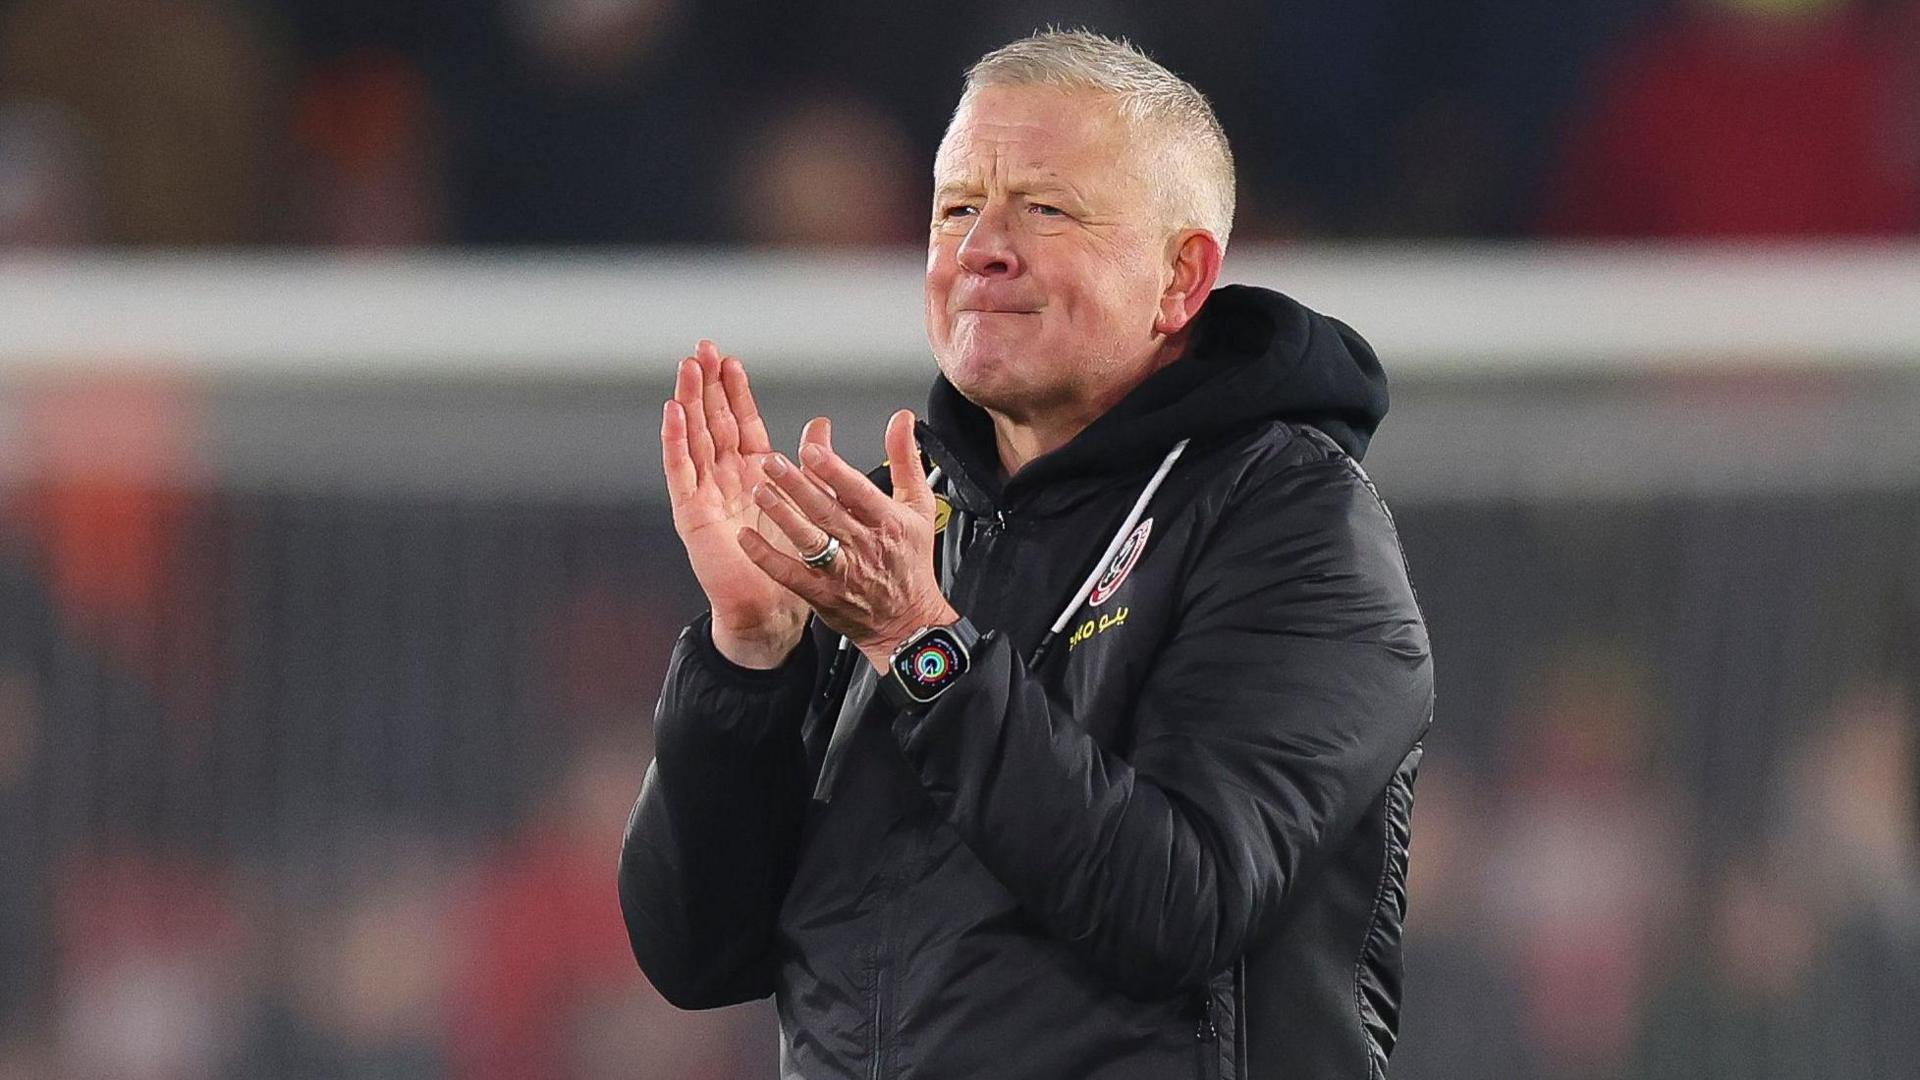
column 1082, row 297
column 1121, row 294
column 939, row 282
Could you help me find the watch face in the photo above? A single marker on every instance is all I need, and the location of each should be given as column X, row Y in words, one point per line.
column 929, row 663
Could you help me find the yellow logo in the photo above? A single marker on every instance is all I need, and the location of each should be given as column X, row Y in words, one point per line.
column 1116, row 617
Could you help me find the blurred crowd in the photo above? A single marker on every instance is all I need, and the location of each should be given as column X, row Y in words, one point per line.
column 355, row 123
column 1592, row 917
column 307, row 787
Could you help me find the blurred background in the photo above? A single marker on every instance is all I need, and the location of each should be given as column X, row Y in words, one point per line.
column 336, row 580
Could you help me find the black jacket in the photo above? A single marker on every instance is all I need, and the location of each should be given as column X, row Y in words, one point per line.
column 1176, row 848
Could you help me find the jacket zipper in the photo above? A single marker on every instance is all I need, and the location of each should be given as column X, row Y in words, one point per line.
column 1206, row 1042
column 891, row 886
column 1240, row 1066
column 980, row 561
column 879, row 1020
column 890, row 889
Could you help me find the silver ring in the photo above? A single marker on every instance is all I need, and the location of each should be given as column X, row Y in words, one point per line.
column 823, row 558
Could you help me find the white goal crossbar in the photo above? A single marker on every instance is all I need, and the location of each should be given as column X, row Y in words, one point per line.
column 1428, row 310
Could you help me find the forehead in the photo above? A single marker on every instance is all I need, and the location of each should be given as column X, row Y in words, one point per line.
column 1004, row 133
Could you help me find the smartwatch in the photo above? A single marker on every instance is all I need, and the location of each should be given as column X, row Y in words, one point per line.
column 929, row 661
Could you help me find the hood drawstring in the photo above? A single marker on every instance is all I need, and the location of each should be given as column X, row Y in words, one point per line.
column 861, row 686
column 1113, row 548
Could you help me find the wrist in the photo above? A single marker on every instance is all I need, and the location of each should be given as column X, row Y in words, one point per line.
column 879, row 652
column 760, row 648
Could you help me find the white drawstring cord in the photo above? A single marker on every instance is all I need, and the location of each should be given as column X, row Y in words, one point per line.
column 1106, row 557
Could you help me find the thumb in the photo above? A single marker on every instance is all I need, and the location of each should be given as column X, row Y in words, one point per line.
column 903, row 464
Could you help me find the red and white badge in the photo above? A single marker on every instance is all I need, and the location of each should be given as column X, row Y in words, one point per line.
column 1122, row 564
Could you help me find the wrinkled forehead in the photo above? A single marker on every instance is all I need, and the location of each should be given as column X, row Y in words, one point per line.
column 1016, row 135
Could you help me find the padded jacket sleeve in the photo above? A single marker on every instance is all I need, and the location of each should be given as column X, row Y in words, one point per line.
column 1293, row 682
column 710, row 846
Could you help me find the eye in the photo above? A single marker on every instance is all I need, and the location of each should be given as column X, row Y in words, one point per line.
column 1047, row 211
column 957, row 210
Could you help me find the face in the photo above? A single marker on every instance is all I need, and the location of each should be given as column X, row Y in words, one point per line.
column 1046, row 258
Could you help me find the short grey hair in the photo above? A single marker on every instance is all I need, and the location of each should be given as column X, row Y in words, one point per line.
column 1192, row 168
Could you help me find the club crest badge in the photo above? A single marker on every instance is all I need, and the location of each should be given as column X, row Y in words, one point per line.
column 1122, row 564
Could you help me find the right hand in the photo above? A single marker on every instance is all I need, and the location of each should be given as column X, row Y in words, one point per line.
column 713, row 446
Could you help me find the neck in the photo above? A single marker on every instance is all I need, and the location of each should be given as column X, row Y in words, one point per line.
column 1019, row 441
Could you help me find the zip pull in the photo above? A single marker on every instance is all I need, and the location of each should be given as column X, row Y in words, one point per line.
column 1206, row 1041
column 1206, row 1031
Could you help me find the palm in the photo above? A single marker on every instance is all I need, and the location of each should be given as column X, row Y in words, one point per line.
column 712, row 446
column 709, row 524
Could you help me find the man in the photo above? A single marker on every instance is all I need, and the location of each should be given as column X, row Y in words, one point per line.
column 1107, row 772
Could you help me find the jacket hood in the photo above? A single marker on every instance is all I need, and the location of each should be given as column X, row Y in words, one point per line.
column 1256, row 355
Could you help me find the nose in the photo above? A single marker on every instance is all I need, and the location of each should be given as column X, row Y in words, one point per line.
column 988, row 247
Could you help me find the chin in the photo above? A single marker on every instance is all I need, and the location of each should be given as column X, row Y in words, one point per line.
column 994, row 383
column 973, row 374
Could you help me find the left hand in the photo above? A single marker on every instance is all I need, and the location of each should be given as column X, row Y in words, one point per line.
column 881, row 587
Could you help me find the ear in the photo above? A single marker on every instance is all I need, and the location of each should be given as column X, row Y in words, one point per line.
column 1195, row 257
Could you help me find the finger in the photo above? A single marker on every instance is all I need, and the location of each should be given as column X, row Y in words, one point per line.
column 721, row 422
column 867, row 503
column 816, row 502
column 805, row 535
column 675, row 461
column 903, row 464
column 818, row 432
column 687, row 390
column 789, row 572
column 746, row 412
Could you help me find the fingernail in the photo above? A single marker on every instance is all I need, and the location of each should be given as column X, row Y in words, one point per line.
column 777, row 464
column 812, row 454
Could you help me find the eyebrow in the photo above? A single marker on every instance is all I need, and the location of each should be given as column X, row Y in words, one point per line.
column 1047, row 188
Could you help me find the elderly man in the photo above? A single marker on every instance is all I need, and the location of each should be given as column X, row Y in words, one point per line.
column 1087, row 755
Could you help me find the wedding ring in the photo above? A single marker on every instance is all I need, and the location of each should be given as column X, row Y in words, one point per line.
column 823, row 558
